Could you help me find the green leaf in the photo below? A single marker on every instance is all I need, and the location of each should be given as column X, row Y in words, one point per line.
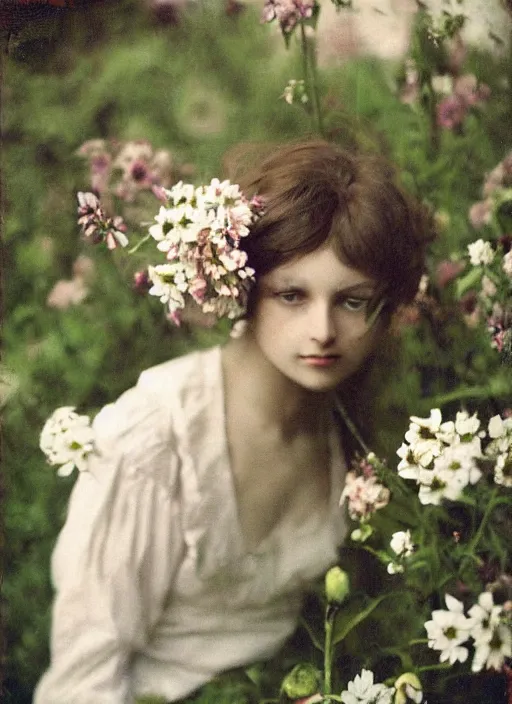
column 351, row 616
column 468, row 281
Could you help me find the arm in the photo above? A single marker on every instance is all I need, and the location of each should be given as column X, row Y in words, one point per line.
column 115, row 559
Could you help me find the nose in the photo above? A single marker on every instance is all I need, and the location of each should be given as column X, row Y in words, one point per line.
column 321, row 325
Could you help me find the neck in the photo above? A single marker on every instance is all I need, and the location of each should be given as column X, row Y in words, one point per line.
column 270, row 399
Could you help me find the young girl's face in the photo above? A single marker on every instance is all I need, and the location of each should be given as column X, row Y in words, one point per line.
column 310, row 319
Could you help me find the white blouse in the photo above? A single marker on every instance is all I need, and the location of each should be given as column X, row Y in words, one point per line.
column 155, row 591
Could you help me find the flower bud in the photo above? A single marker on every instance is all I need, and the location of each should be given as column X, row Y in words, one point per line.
column 408, row 689
column 303, row 681
column 337, row 585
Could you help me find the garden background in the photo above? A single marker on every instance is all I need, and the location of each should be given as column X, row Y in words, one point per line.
column 197, row 79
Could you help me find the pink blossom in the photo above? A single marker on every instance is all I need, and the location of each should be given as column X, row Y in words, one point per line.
column 448, row 270
column 67, row 293
column 197, row 288
column 451, row 112
column 480, row 213
column 364, row 495
column 507, row 263
column 494, row 179
column 288, row 12
column 141, row 281
column 100, row 171
column 465, row 88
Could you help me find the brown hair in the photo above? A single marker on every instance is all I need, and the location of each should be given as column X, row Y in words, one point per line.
column 316, row 193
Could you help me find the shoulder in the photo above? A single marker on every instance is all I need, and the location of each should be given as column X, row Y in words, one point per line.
column 178, row 374
column 143, row 430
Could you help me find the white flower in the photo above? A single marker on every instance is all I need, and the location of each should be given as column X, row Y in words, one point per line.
column 409, row 467
column 485, row 617
column 66, row 440
column 492, row 653
column 480, row 252
column 507, row 263
column 438, row 484
column 401, row 543
column 461, row 460
column 362, row 690
column 466, row 424
column 448, row 630
column 422, row 437
column 503, row 469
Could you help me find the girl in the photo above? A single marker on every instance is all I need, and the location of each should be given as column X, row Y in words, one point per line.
column 211, row 500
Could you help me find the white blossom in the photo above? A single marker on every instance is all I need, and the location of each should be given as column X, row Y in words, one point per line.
column 401, row 543
column 480, row 252
column 448, row 630
column 66, row 440
column 362, row 690
column 485, row 616
column 491, row 654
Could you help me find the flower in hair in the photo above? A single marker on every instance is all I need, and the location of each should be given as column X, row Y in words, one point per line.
column 199, row 230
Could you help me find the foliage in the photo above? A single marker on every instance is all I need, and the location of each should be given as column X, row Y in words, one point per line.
column 196, row 89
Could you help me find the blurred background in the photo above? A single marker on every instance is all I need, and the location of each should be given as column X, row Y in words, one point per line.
column 174, row 87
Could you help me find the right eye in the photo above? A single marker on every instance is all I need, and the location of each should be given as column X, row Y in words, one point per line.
column 290, row 298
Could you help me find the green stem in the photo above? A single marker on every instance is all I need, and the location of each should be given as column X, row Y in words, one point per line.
column 311, row 77
column 488, row 510
column 328, row 650
column 418, row 641
column 139, row 244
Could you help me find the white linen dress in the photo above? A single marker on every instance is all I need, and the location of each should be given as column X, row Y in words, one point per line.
column 156, row 592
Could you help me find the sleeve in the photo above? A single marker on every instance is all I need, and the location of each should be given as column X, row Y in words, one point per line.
column 116, row 556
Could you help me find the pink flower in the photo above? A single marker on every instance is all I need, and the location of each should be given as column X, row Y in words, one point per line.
column 448, row 270
column 507, row 263
column 67, row 293
column 288, row 12
column 480, row 213
column 100, row 172
column 364, row 496
column 197, row 289
column 494, row 180
column 451, row 112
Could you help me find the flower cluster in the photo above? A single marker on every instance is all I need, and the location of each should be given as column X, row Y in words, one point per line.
column 403, row 547
column 363, row 690
column 199, row 230
column 491, row 259
column 444, row 457
column 289, row 12
column 133, row 166
column 364, row 494
column 500, row 449
column 441, row 457
column 66, row 440
column 295, row 91
column 486, row 624
column 96, row 225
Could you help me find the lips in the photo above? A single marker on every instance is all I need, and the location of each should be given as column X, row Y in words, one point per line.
column 324, row 360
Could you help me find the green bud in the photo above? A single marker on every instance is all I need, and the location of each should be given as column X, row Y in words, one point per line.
column 337, row 585
column 408, row 689
column 303, row 681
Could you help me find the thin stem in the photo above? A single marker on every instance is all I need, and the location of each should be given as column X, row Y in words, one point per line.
column 328, row 650
column 351, row 426
column 311, row 76
column 488, row 510
column 139, row 244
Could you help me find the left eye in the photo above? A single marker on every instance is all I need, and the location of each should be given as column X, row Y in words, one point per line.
column 354, row 304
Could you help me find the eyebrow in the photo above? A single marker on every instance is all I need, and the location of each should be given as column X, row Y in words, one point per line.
column 286, row 282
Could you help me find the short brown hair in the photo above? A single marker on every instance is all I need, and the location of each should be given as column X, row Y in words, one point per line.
column 316, row 193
